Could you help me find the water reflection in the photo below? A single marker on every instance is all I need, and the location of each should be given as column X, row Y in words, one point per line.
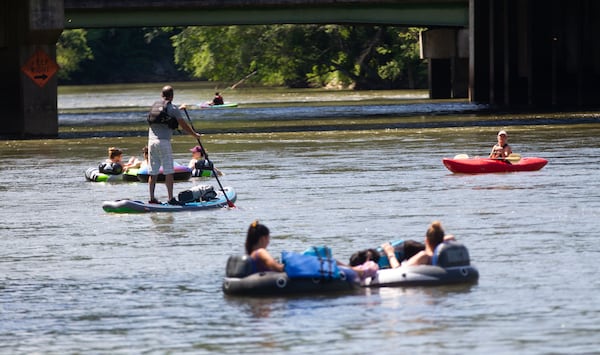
column 265, row 306
column 255, row 307
column 163, row 223
column 398, row 298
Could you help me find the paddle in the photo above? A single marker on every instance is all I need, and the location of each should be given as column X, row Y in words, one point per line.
column 229, row 203
column 512, row 158
column 241, row 81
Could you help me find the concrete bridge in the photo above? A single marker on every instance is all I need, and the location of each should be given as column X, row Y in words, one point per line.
column 508, row 53
column 132, row 13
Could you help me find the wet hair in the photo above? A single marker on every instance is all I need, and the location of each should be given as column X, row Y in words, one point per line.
column 255, row 231
column 361, row 257
column 435, row 234
column 411, row 248
column 114, row 152
column 145, row 150
column 167, row 92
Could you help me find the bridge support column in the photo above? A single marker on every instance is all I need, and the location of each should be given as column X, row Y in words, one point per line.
column 447, row 51
column 28, row 35
column 539, row 53
column 479, row 54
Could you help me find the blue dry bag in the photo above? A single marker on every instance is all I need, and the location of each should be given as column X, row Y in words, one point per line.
column 318, row 263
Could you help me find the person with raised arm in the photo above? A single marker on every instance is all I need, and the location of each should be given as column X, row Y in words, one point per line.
column 160, row 151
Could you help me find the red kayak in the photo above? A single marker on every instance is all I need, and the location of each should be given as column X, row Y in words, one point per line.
column 486, row 165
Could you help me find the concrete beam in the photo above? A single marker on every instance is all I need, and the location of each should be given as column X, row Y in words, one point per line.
column 86, row 14
column 445, row 43
column 447, row 51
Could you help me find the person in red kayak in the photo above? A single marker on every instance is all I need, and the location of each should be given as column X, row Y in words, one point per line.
column 501, row 150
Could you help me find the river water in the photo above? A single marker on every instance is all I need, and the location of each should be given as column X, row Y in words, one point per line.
column 74, row 279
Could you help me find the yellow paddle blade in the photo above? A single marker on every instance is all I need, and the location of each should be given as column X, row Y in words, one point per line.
column 461, row 156
column 513, row 157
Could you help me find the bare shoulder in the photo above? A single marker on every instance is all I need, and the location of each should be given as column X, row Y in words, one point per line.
column 419, row 258
column 262, row 253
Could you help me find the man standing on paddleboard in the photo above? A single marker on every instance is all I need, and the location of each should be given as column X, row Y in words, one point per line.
column 160, row 151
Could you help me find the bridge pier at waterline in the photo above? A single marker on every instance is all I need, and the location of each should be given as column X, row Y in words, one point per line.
column 28, row 36
column 534, row 53
column 447, row 54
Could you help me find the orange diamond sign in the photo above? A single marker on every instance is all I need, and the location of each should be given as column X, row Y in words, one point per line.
column 40, row 68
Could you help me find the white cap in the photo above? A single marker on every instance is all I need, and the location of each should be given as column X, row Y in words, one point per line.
column 502, row 132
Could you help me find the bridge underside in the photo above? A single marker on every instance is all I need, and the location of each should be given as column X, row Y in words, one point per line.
column 87, row 13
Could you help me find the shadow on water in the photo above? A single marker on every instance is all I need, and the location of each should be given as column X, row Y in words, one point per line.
column 316, row 118
column 120, row 110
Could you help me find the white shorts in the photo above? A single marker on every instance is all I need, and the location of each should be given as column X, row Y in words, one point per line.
column 160, row 153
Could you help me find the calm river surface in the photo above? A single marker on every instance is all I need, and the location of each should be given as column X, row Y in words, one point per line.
column 74, row 279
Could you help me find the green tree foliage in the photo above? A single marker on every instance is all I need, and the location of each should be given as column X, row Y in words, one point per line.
column 71, row 50
column 217, row 53
column 374, row 57
column 362, row 57
column 127, row 55
column 415, row 72
column 299, row 54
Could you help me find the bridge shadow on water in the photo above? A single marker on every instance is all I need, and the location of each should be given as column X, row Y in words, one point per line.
column 319, row 118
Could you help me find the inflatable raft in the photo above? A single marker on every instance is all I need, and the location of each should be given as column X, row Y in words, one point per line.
column 486, row 165
column 132, row 206
column 450, row 265
column 241, row 280
column 182, row 173
column 94, row 174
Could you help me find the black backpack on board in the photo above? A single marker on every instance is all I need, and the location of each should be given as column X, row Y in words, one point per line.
column 197, row 193
column 158, row 114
